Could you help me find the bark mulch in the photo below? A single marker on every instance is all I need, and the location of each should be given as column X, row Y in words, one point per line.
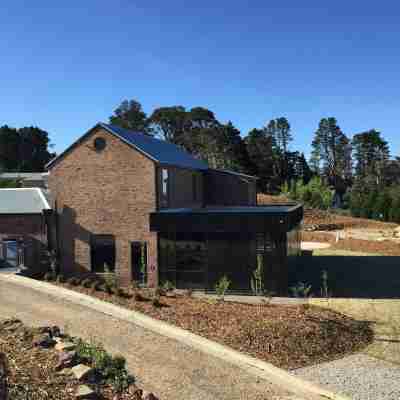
column 286, row 336
column 31, row 369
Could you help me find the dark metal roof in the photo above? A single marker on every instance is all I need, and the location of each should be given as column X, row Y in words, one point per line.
column 275, row 219
column 159, row 151
column 267, row 209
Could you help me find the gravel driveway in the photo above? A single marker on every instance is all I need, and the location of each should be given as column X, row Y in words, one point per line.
column 358, row 376
column 166, row 367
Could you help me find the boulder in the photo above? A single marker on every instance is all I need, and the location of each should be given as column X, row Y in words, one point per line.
column 43, row 340
column 65, row 346
column 84, row 392
column 82, row 372
column 149, row 396
column 66, row 359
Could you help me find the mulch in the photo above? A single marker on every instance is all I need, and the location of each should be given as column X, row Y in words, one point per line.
column 32, row 373
column 286, row 336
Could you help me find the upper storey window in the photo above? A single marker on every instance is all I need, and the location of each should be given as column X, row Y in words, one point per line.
column 164, row 187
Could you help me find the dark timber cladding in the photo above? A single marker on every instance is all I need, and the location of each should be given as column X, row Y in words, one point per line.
column 197, row 247
column 276, row 218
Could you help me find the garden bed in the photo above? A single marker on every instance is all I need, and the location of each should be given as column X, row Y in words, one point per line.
column 34, row 371
column 287, row 336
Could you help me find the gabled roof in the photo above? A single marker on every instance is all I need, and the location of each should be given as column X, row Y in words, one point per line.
column 159, row 151
column 22, row 201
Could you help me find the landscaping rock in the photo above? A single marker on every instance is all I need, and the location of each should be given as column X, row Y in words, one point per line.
column 3, row 377
column 43, row 340
column 134, row 391
column 149, row 396
column 82, row 372
column 65, row 346
column 84, row 392
column 66, row 360
column 55, row 331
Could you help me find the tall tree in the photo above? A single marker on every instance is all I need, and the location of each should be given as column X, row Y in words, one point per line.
column 330, row 152
column 261, row 153
column 25, row 149
column 371, row 153
column 280, row 132
column 130, row 115
column 169, row 123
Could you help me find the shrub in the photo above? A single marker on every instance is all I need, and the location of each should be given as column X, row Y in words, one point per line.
column 87, row 283
column 60, row 278
column 74, row 281
column 138, row 296
column 121, row 292
column 168, row 286
column 111, row 369
column 49, row 276
column 222, row 286
column 315, row 193
column 302, row 289
column 110, row 289
column 155, row 301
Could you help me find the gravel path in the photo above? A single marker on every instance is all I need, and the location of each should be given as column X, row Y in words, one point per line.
column 161, row 365
column 358, row 376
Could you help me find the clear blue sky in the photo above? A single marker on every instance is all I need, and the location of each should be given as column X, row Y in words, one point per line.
column 66, row 65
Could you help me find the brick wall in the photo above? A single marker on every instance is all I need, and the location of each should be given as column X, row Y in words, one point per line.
column 108, row 192
column 31, row 229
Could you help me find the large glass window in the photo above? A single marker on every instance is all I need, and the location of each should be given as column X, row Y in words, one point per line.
column 102, row 252
column 183, row 259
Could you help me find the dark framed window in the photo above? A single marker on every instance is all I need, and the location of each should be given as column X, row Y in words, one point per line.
column 139, row 262
column 164, row 187
column 102, row 253
column 183, row 259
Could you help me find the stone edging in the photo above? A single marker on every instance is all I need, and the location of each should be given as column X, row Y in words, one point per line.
column 252, row 365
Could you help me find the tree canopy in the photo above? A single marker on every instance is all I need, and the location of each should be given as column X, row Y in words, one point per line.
column 24, row 149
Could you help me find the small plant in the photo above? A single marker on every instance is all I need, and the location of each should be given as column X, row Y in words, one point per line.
column 111, row 369
column 302, row 289
column 222, row 286
column 110, row 289
column 155, row 301
column 49, row 276
column 60, row 278
column 268, row 294
column 257, row 280
column 138, row 296
column 168, row 286
column 74, row 281
column 324, row 288
column 87, row 283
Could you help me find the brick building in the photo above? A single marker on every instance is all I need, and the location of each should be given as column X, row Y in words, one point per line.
column 23, row 227
column 148, row 211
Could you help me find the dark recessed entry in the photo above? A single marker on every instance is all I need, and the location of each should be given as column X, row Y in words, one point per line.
column 100, row 143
